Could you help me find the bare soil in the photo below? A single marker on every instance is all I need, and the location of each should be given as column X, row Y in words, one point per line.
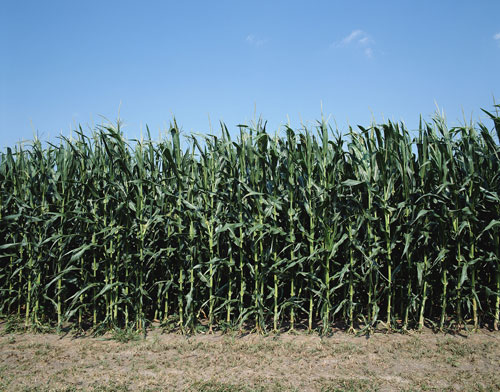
column 224, row 362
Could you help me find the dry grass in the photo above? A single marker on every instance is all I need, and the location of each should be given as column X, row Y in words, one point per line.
column 342, row 362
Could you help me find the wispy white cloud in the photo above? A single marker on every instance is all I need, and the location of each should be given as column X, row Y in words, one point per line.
column 254, row 41
column 352, row 37
column 365, row 40
column 357, row 38
column 496, row 37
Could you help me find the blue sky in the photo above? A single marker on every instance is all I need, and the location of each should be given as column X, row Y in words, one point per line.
column 65, row 63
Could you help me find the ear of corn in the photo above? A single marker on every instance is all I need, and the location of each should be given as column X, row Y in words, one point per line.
column 310, row 228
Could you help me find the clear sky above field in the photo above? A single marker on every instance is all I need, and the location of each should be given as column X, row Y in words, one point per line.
column 67, row 62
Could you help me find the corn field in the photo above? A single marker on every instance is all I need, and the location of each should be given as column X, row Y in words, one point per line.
column 306, row 229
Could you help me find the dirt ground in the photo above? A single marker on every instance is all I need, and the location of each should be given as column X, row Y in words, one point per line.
column 298, row 362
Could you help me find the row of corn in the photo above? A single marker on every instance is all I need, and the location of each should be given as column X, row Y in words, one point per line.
column 304, row 229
